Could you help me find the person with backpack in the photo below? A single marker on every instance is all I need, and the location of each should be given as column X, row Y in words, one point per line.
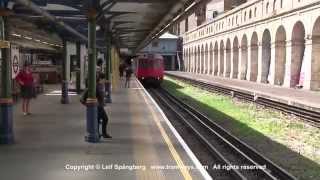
column 100, row 93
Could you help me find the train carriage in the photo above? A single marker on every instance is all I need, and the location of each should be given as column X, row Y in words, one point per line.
column 149, row 69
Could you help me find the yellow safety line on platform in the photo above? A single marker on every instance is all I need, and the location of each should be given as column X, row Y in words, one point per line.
column 183, row 169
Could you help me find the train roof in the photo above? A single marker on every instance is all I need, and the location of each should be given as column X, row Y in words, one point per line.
column 150, row 56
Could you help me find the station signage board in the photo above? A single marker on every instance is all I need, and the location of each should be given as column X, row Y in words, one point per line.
column 15, row 60
column 4, row 44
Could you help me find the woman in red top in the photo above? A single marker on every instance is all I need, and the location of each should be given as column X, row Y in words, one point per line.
column 25, row 80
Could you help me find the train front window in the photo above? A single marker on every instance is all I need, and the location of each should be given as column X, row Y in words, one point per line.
column 143, row 63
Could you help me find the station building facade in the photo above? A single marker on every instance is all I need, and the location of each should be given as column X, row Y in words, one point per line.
column 167, row 46
column 266, row 41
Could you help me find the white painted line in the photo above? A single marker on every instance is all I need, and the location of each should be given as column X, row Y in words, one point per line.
column 194, row 159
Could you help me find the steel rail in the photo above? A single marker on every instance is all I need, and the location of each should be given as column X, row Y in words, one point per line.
column 309, row 116
column 245, row 148
column 234, row 172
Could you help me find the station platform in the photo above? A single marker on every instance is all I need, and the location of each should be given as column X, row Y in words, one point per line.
column 50, row 143
column 296, row 97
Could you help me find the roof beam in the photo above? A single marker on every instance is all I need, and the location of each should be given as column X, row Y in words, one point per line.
column 144, row 1
column 51, row 18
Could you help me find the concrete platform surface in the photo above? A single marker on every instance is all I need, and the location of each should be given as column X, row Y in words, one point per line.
column 50, row 143
column 298, row 97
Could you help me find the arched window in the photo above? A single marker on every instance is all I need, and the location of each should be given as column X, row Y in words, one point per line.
column 250, row 14
column 237, row 19
column 232, row 20
column 245, row 16
column 255, row 12
column 267, row 7
column 281, row 3
column 274, row 4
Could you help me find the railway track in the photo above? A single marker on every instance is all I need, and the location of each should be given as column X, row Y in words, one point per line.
column 309, row 116
column 236, row 158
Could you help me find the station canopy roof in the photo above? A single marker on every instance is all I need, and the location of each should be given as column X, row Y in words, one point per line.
column 133, row 24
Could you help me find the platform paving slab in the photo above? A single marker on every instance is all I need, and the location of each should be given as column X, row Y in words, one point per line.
column 51, row 141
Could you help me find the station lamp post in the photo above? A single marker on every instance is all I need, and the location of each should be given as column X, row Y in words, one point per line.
column 65, row 84
column 6, row 102
column 108, row 65
column 78, row 56
column 92, row 122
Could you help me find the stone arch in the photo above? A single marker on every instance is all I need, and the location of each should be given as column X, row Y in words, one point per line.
column 221, row 60
column 216, row 51
column 202, row 61
column 280, row 56
column 194, row 55
column 266, row 56
column 244, row 57
column 211, row 58
column 235, row 58
column 184, row 57
column 198, row 59
column 188, row 59
column 245, row 16
column 297, row 53
column 228, row 59
column 206, row 64
column 254, row 57
column 315, row 58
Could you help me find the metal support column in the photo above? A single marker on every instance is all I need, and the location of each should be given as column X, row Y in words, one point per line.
column 92, row 122
column 78, row 78
column 6, row 102
column 108, row 68
column 64, row 84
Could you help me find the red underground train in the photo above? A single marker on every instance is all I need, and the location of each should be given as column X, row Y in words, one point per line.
column 149, row 69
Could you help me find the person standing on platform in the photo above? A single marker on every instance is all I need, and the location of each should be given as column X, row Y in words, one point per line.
column 122, row 67
column 102, row 115
column 25, row 80
column 128, row 76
